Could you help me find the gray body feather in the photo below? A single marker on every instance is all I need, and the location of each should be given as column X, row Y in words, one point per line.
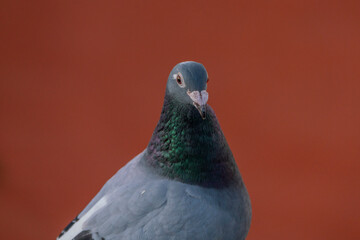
column 150, row 207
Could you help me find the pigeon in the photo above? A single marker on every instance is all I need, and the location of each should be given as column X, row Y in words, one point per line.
column 184, row 185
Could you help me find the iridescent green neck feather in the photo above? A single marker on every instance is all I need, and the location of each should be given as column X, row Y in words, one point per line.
column 186, row 148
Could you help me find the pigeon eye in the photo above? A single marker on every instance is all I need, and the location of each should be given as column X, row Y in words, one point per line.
column 180, row 81
column 207, row 80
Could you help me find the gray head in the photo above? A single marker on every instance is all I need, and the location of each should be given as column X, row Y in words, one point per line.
column 187, row 84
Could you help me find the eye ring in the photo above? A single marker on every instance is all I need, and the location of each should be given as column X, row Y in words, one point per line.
column 179, row 80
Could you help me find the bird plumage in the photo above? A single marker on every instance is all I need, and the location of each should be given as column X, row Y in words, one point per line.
column 184, row 185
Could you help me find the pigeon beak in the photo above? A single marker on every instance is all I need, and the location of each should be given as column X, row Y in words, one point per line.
column 201, row 109
column 199, row 101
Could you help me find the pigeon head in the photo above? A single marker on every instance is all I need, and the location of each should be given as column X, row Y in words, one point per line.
column 187, row 146
column 187, row 84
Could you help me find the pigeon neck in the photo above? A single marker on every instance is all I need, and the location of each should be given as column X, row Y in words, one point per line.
column 186, row 148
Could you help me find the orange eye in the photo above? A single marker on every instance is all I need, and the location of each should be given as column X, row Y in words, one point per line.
column 178, row 80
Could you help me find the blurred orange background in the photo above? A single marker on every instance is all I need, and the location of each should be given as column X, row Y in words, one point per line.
column 82, row 85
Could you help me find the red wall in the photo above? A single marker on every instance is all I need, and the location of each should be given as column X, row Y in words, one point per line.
column 82, row 84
